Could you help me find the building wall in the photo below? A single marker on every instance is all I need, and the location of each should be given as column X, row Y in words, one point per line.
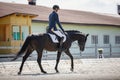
column 13, row 30
column 100, row 31
column 38, row 27
column 92, row 30
column 91, row 49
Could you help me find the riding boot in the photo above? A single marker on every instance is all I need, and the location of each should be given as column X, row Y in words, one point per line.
column 61, row 44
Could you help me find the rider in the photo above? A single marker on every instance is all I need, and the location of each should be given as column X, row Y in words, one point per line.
column 53, row 19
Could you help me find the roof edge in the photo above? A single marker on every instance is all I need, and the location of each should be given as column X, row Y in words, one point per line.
column 34, row 15
column 88, row 24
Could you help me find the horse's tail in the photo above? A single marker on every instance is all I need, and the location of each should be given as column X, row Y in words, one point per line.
column 23, row 49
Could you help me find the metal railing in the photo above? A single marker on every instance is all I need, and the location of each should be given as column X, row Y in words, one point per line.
column 90, row 51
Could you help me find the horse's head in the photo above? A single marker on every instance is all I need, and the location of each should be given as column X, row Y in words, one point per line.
column 81, row 41
column 77, row 35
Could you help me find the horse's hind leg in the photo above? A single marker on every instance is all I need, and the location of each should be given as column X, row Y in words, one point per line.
column 24, row 59
column 57, row 61
column 39, row 61
column 71, row 57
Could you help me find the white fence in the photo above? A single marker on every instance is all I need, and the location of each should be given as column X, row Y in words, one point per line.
column 90, row 51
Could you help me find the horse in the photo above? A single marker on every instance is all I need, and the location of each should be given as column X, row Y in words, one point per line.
column 40, row 42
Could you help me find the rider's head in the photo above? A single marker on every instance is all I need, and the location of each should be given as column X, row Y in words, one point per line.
column 56, row 8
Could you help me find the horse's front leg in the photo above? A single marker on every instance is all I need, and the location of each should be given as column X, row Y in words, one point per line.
column 57, row 61
column 71, row 57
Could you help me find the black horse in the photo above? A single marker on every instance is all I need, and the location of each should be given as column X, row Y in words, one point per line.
column 43, row 41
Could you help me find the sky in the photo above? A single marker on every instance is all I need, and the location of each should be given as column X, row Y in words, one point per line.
column 100, row 6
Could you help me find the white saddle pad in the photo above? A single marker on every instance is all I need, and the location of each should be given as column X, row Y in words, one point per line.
column 54, row 37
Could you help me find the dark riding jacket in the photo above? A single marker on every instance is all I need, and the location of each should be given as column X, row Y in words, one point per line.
column 53, row 19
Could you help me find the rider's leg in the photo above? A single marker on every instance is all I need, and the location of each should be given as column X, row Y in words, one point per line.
column 61, row 44
column 60, row 39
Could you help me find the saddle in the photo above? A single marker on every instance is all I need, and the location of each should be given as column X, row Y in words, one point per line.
column 58, row 33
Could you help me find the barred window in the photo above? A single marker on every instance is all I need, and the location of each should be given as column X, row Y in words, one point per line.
column 106, row 39
column 117, row 39
column 94, row 39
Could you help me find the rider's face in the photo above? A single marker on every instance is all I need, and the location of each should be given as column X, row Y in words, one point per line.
column 56, row 10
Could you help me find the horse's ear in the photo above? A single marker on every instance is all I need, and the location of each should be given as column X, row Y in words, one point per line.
column 87, row 35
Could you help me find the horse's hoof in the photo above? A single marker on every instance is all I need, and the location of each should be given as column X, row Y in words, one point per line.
column 19, row 73
column 57, row 71
column 72, row 69
column 44, row 72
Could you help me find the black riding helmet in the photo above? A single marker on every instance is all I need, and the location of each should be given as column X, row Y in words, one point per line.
column 56, row 6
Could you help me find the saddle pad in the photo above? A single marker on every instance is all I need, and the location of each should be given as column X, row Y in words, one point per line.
column 54, row 37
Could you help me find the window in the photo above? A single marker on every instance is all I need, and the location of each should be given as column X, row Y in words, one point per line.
column 25, row 32
column 106, row 39
column 94, row 39
column 20, row 33
column 16, row 33
column 117, row 39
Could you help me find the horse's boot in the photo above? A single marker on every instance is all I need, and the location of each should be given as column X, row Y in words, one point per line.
column 61, row 45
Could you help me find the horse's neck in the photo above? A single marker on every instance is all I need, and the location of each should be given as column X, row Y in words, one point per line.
column 75, row 37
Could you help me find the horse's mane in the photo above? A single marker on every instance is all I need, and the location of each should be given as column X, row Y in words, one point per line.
column 73, row 31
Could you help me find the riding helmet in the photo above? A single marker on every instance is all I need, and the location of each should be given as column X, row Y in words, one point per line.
column 56, row 6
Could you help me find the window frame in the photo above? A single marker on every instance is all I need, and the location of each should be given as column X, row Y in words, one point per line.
column 106, row 39
column 16, row 32
column 117, row 42
column 94, row 39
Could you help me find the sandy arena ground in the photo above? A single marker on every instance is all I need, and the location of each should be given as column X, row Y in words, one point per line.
column 84, row 69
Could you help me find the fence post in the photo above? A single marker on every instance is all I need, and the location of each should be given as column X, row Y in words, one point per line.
column 110, row 50
column 80, row 53
column 45, row 54
column 96, row 50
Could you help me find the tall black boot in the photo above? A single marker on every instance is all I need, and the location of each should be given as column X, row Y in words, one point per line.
column 61, row 45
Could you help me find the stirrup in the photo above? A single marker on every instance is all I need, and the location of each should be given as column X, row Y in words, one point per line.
column 60, row 49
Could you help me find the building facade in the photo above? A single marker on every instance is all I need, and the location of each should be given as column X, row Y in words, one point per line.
column 101, row 36
column 104, row 30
